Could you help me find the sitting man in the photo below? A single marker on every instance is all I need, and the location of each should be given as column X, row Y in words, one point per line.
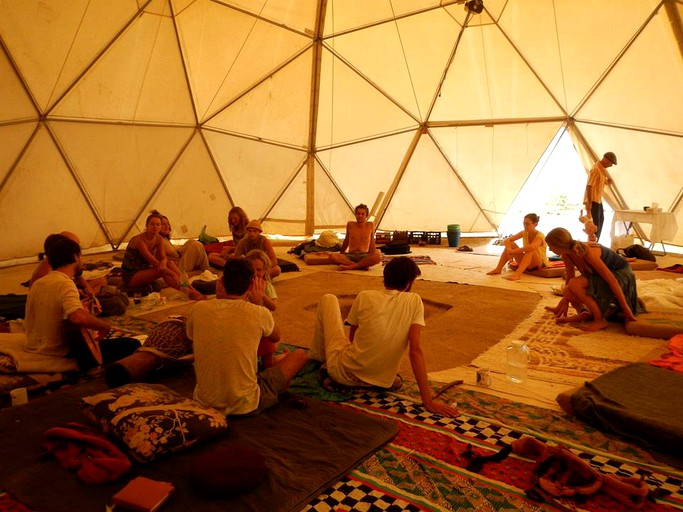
column 87, row 288
column 54, row 298
column 384, row 324
column 358, row 250
column 226, row 333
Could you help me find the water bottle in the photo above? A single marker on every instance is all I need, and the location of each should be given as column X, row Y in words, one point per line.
column 517, row 361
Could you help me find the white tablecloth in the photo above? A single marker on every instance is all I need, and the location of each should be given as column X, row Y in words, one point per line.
column 664, row 226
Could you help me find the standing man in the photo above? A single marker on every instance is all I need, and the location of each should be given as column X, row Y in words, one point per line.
column 384, row 325
column 358, row 250
column 597, row 179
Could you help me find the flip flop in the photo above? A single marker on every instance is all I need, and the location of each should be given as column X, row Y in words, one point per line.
column 465, row 248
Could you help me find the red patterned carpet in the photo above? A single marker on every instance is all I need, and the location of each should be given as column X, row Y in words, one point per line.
column 423, row 468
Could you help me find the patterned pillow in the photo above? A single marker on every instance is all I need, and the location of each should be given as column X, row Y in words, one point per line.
column 151, row 419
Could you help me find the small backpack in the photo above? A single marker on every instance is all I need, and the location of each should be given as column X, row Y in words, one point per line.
column 639, row 252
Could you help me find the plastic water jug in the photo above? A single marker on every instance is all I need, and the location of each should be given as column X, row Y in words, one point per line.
column 517, row 361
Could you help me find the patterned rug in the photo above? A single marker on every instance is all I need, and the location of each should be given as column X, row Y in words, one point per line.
column 423, row 468
column 564, row 354
column 420, row 260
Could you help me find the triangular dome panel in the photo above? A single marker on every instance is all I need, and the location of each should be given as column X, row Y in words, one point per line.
column 571, row 44
column 494, row 162
column 118, row 176
column 16, row 104
column 52, row 41
column 287, row 216
column 269, row 169
column 42, row 197
column 331, row 208
column 634, row 93
column 348, row 15
column 273, row 111
column 194, row 193
column 489, row 80
column 299, row 15
column 420, row 202
column 400, row 60
column 13, row 138
column 140, row 78
column 348, row 166
column 234, row 61
column 367, row 112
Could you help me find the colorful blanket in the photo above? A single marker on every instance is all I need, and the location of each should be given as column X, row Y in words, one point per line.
column 423, row 468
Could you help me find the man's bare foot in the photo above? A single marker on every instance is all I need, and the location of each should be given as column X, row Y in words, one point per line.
column 494, row 272
column 594, row 326
column 552, row 309
column 341, row 268
column 513, row 277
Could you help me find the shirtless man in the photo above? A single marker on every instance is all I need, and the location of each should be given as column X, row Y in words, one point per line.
column 358, row 250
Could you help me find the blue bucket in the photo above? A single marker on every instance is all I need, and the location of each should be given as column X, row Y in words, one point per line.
column 453, row 234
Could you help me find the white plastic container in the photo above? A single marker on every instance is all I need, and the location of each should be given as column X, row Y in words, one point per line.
column 517, row 354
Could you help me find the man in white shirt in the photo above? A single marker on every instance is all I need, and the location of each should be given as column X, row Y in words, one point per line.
column 226, row 333
column 384, row 325
column 54, row 298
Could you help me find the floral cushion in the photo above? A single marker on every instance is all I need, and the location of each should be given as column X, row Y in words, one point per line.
column 151, row 419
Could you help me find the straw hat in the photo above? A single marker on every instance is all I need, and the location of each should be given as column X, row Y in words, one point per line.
column 327, row 238
column 254, row 224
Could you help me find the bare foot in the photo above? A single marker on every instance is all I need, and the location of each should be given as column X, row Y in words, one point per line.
column 341, row 268
column 579, row 317
column 552, row 309
column 594, row 326
column 494, row 272
column 194, row 294
column 513, row 277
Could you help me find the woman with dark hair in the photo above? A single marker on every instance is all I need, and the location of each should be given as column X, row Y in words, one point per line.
column 606, row 287
column 531, row 256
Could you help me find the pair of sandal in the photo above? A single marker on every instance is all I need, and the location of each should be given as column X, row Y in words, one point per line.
column 332, row 386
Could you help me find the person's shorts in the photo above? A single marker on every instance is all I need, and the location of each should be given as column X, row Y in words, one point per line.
column 356, row 256
column 272, row 383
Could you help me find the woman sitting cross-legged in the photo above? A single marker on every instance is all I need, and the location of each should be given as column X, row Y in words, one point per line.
column 605, row 289
column 531, row 256
column 145, row 259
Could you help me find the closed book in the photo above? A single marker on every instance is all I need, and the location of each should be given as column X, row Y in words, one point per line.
column 143, row 495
